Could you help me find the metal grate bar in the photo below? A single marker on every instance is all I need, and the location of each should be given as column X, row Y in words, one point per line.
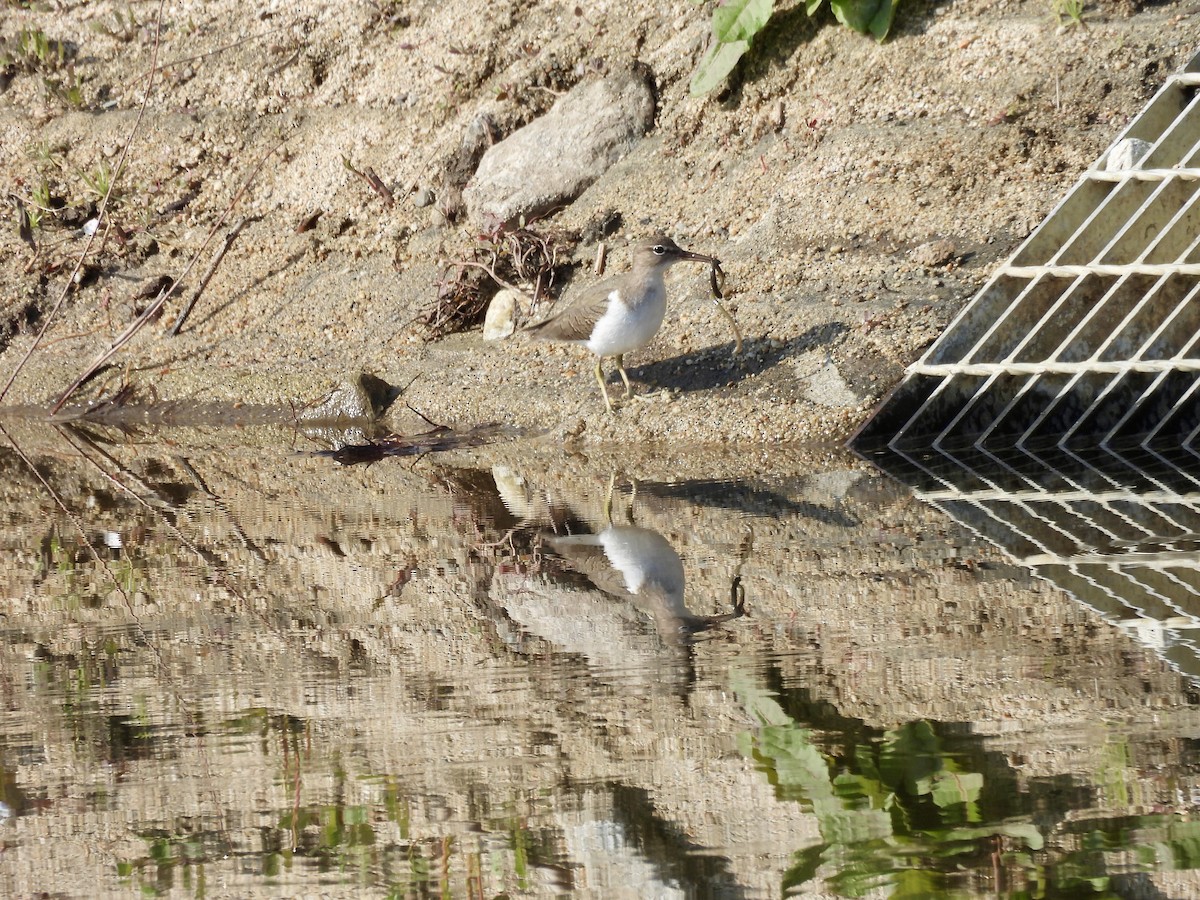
column 1163, row 560
column 1034, row 495
column 1075, row 271
column 1058, row 415
column 1183, row 174
column 1088, row 591
column 1177, row 139
column 1116, row 367
column 1096, row 501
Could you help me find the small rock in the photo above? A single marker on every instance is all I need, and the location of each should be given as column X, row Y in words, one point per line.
column 501, row 318
column 422, row 198
column 363, row 397
column 601, row 224
column 825, row 384
column 553, row 159
column 457, row 170
column 933, row 254
column 1126, row 154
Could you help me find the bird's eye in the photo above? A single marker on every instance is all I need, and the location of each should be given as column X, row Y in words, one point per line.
column 659, row 250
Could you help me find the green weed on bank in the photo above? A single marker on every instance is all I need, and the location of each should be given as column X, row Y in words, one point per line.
column 736, row 22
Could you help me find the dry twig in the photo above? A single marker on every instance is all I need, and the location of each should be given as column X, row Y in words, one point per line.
column 100, row 214
column 71, row 516
column 154, row 309
column 229, row 239
column 374, row 182
column 508, row 258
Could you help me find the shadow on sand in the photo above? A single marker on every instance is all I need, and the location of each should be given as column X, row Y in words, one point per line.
column 718, row 367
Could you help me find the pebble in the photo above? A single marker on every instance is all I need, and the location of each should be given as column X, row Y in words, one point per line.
column 1126, row 154
column 500, row 320
column 933, row 253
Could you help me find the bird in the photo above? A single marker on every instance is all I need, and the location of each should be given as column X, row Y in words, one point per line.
column 640, row 566
column 620, row 314
column 631, row 577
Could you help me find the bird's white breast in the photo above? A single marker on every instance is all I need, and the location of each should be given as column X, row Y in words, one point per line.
column 625, row 327
column 645, row 560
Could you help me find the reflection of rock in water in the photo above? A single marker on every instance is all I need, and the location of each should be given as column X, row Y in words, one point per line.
column 614, row 596
column 621, row 845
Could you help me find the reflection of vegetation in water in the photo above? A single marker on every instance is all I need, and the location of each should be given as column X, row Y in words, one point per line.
column 68, row 571
column 58, row 561
column 339, row 840
column 368, row 844
column 901, row 813
column 1126, row 844
column 167, row 857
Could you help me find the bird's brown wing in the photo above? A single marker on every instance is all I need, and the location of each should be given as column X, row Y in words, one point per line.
column 575, row 323
column 585, row 555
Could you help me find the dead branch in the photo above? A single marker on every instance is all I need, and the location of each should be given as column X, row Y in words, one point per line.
column 229, row 239
column 374, row 182
column 58, row 501
column 100, row 214
column 152, row 311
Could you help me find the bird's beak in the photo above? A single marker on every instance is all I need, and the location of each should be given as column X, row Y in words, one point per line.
column 689, row 256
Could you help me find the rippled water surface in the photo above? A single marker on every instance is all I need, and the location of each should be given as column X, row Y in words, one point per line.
column 232, row 668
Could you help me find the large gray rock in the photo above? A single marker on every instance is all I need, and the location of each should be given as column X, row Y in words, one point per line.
column 553, row 159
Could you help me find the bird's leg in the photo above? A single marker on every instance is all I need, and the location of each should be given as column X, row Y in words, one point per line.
column 600, row 381
column 608, row 495
column 624, row 377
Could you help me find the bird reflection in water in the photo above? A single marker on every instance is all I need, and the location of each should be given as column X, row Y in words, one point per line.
column 596, row 590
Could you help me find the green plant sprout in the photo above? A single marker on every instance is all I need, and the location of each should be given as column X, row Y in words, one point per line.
column 68, row 90
column 36, row 51
column 47, row 155
column 41, row 196
column 124, row 28
column 99, row 180
column 736, row 22
column 40, row 205
column 1071, row 10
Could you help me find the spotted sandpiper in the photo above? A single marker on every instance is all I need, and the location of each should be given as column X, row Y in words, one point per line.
column 623, row 313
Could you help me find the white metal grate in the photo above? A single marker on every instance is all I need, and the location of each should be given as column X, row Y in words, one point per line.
column 1058, row 416
column 1090, row 334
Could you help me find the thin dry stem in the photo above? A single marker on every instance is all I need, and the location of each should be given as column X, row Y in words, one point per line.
column 58, row 501
column 100, row 215
column 212, row 268
column 151, row 312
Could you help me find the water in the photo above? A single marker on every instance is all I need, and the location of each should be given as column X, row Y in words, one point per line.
column 233, row 669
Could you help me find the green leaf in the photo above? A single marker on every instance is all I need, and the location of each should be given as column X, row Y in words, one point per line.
column 1024, row 831
column 953, row 788
column 734, row 24
column 717, row 63
column 760, row 703
column 872, row 17
column 741, row 20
